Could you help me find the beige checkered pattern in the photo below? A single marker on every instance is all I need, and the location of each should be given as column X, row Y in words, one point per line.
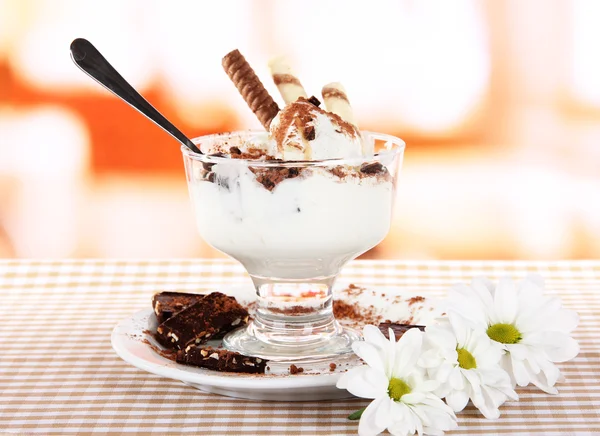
column 59, row 375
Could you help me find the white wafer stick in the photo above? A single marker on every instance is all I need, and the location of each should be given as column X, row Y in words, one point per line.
column 336, row 101
column 287, row 83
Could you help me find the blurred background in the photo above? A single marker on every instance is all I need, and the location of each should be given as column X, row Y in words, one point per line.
column 498, row 101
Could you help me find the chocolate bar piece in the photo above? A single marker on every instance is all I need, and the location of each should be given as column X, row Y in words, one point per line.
column 221, row 360
column 215, row 313
column 167, row 304
column 398, row 329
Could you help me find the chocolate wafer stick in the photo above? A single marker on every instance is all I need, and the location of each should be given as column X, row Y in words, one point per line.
column 250, row 87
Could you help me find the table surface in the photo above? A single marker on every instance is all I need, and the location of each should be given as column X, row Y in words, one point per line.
column 59, row 374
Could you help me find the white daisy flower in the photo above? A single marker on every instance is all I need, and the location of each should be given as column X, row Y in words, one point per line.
column 403, row 398
column 466, row 363
column 533, row 329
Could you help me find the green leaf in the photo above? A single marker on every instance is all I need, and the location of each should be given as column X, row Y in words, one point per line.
column 356, row 415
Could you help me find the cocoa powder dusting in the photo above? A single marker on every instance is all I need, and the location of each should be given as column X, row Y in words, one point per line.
column 301, row 114
column 294, row 310
column 415, row 300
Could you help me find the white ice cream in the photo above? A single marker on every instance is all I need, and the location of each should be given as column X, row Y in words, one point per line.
column 305, row 227
column 332, row 137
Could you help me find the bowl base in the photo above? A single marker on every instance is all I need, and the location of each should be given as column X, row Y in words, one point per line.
column 244, row 341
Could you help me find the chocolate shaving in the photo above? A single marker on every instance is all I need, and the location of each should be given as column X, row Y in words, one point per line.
column 314, row 100
column 372, row 168
column 309, row 133
column 271, row 177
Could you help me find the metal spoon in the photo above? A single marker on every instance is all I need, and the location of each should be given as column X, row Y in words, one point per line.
column 91, row 62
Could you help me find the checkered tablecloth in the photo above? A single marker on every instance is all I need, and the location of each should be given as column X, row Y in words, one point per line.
column 59, row 374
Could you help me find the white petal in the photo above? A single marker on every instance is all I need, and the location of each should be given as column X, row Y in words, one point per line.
column 507, row 365
column 428, row 386
column 472, row 377
column 408, row 351
column 373, row 335
column 506, row 302
column 438, row 413
column 443, row 373
column 414, row 397
column 546, row 379
column 373, row 356
column 557, row 346
column 371, row 422
column 459, row 329
column 466, row 301
column 568, row 352
column 566, row 320
column 364, row 382
column 520, row 373
column 485, row 289
column 488, row 403
column 518, row 351
column 457, row 400
column 404, row 422
column 456, row 380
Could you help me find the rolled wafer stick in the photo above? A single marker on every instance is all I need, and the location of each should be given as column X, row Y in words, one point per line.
column 288, row 84
column 336, row 101
column 250, row 87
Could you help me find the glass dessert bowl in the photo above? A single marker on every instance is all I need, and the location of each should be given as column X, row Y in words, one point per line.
column 293, row 225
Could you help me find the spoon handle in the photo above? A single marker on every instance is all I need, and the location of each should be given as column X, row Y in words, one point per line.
column 91, row 62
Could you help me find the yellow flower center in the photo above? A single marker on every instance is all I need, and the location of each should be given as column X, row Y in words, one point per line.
column 504, row 333
column 466, row 359
column 397, row 388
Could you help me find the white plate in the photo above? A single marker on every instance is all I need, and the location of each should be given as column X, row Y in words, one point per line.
column 131, row 340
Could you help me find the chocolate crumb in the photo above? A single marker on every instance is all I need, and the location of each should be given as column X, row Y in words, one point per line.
column 372, row 168
column 211, row 177
column 208, row 165
column 314, row 100
column 309, row 133
column 332, row 366
column 294, row 369
column 235, row 150
column 271, row 177
column 338, row 171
